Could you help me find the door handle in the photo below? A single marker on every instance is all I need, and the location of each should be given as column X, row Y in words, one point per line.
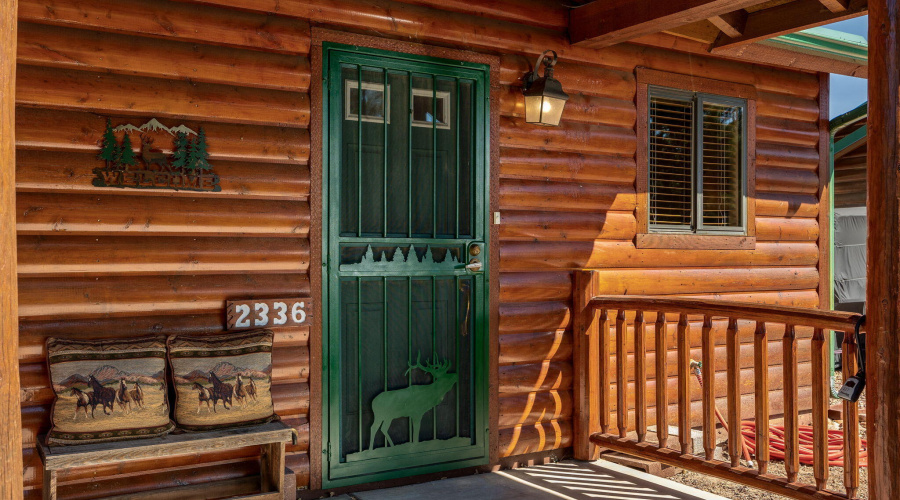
column 474, row 265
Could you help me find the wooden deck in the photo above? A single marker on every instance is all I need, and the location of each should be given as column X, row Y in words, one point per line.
column 572, row 480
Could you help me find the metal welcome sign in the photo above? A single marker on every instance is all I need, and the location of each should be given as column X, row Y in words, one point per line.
column 187, row 168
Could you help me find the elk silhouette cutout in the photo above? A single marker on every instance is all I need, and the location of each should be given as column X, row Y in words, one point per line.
column 413, row 401
column 151, row 156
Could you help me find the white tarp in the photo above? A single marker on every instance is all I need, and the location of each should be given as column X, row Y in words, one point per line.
column 850, row 254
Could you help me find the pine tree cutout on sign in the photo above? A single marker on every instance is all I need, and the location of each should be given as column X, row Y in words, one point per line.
column 126, row 157
column 109, row 146
column 180, row 156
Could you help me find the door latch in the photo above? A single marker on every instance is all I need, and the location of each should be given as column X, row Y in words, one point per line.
column 474, row 265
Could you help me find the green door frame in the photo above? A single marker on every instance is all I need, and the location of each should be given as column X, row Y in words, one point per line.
column 333, row 54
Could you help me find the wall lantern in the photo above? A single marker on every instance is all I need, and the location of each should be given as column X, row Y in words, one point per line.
column 544, row 96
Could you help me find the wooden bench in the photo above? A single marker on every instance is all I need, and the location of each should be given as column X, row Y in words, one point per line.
column 271, row 438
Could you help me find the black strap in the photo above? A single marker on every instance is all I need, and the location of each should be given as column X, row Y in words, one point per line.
column 860, row 347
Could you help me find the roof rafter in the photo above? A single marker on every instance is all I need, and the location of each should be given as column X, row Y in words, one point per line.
column 732, row 23
column 836, row 5
column 608, row 22
column 788, row 18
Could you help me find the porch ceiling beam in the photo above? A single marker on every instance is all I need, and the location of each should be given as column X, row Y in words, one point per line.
column 788, row 18
column 836, row 5
column 608, row 22
column 11, row 472
column 883, row 249
column 731, row 23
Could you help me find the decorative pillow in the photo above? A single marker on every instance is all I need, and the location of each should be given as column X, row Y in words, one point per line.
column 108, row 390
column 222, row 380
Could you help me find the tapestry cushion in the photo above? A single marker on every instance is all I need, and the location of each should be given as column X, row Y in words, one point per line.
column 222, row 380
column 108, row 390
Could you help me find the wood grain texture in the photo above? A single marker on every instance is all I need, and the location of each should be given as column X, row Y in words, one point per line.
column 11, row 428
column 566, row 198
column 883, row 247
column 142, row 255
column 607, row 23
column 586, row 387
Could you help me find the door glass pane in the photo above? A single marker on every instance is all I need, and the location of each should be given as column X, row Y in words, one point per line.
column 423, row 158
column 349, row 150
column 371, row 347
column 349, row 341
column 398, row 156
column 362, row 200
column 466, row 157
column 445, row 132
column 722, row 152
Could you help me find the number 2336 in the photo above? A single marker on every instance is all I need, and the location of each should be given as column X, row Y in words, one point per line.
column 269, row 313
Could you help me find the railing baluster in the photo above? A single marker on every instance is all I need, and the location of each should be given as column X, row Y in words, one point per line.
column 851, row 419
column 791, row 415
column 604, row 371
column 761, row 385
column 640, row 377
column 733, row 376
column 621, row 375
column 662, row 397
column 684, row 395
column 709, row 388
column 820, row 387
column 684, row 454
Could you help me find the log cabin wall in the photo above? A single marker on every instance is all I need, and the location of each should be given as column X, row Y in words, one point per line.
column 106, row 262
column 100, row 262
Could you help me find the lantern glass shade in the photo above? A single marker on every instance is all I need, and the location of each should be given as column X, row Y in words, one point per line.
column 544, row 101
column 543, row 110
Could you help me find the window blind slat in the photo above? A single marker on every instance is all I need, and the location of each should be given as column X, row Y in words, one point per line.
column 670, row 161
column 721, row 168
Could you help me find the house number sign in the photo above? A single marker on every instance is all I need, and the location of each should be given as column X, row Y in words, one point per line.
column 262, row 313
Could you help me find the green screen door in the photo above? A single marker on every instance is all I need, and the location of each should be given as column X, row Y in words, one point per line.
column 406, row 265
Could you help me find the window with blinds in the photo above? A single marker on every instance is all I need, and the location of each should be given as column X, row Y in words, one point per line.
column 696, row 162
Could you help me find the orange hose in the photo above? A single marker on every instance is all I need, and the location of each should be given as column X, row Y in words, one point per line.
column 776, row 438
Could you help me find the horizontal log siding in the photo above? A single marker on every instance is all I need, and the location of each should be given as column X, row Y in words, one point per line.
column 102, row 262
column 567, row 195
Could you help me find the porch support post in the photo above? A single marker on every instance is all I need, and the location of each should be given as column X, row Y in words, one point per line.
column 10, row 412
column 587, row 367
column 883, row 293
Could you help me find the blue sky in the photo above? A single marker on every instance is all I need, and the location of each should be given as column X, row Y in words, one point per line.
column 848, row 92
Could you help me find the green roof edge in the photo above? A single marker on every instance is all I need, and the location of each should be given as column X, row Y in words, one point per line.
column 850, row 117
column 825, row 42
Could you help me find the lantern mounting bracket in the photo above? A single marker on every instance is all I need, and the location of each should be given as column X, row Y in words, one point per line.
column 549, row 63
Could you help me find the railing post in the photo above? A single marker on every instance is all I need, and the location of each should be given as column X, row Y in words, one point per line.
column 10, row 411
column 586, row 359
column 883, row 247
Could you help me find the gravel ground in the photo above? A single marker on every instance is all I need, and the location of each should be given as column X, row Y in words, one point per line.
column 776, row 467
column 741, row 492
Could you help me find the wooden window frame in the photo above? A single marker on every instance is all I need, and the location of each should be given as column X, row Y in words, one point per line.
column 647, row 78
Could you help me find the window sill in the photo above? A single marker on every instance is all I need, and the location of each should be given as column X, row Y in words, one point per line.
column 695, row 241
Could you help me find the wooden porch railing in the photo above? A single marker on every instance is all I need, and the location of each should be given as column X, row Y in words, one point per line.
column 604, row 320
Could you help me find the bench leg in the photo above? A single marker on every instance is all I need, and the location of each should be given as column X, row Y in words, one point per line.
column 49, row 485
column 272, row 467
